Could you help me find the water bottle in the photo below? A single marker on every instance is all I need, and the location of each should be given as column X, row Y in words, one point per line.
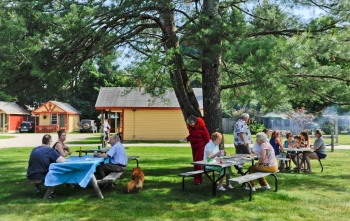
column 208, row 159
column 99, row 147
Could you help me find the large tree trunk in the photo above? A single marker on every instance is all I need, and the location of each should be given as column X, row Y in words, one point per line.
column 180, row 81
column 211, row 70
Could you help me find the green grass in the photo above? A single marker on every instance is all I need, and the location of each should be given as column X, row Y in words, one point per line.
column 6, row 137
column 317, row 196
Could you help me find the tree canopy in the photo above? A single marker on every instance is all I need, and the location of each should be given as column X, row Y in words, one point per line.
column 241, row 50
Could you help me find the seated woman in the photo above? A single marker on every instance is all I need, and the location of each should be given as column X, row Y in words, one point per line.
column 267, row 161
column 60, row 146
column 276, row 142
column 212, row 150
column 320, row 150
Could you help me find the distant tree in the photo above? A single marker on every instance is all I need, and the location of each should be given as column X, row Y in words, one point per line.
column 260, row 51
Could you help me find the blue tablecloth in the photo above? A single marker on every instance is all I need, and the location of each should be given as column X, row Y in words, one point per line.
column 75, row 170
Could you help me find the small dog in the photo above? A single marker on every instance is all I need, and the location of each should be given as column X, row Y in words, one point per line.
column 137, row 179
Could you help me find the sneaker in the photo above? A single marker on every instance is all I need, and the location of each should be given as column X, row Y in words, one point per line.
column 38, row 190
column 248, row 188
column 229, row 186
column 221, row 188
column 267, row 187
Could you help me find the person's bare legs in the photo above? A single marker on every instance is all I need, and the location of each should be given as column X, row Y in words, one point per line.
column 309, row 156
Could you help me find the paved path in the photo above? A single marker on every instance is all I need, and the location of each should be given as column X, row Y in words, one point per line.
column 34, row 139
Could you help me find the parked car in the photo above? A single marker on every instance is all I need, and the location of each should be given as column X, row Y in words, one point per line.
column 87, row 125
column 26, row 126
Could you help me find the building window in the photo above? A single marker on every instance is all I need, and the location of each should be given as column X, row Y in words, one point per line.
column 54, row 119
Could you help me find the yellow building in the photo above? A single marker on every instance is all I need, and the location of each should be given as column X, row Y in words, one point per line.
column 140, row 117
column 54, row 116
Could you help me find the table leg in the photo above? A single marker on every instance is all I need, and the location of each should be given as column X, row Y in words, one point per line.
column 48, row 192
column 213, row 181
column 303, row 159
column 96, row 187
column 298, row 162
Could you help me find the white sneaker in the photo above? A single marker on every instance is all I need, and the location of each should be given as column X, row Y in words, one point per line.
column 229, row 186
column 221, row 188
column 248, row 188
column 267, row 187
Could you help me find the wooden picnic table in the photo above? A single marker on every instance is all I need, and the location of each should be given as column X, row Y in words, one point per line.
column 105, row 150
column 228, row 161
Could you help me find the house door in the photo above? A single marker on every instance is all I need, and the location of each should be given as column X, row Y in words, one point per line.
column 62, row 121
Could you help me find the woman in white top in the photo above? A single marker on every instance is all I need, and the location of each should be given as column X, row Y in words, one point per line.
column 212, row 150
column 267, row 161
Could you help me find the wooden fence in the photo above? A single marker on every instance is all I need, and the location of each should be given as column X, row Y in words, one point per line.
column 227, row 125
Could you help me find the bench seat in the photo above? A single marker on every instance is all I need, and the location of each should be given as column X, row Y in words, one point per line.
column 110, row 178
column 134, row 158
column 250, row 177
column 190, row 174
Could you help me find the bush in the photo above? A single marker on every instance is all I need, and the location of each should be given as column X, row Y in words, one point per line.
column 327, row 127
column 256, row 128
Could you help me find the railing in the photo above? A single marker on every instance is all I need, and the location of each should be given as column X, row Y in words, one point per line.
column 64, row 128
column 46, row 129
column 4, row 128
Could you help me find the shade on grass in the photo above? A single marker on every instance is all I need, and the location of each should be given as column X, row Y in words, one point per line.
column 318, row 196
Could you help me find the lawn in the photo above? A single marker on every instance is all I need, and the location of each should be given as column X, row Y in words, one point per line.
column 317, row 196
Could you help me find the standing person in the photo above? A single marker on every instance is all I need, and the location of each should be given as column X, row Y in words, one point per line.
column 320, row 152
column 267, row 161
column 60, row 146
column 212, row 150
column 106, row 129
column 242, row 138
column 276, row 142
column 198, row 137
column 40, row 159
column 117, row 158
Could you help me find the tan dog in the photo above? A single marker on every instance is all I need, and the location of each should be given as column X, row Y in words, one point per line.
column 137, row 179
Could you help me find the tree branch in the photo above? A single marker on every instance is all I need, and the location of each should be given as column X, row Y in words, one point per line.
column 240, row 84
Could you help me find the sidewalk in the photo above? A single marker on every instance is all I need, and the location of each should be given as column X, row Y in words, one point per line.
column 34, row 139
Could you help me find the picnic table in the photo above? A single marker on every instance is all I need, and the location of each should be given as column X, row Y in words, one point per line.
column 105, row 150
column 75, row 170
column 228, row 161
column 297, row 150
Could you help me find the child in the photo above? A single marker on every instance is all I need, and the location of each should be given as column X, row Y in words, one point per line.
column 289, row 143
column 297, row 144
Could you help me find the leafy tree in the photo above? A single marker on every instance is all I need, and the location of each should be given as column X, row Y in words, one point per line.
column 260, row 51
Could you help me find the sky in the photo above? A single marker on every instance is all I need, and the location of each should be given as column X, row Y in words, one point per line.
column 306, row 14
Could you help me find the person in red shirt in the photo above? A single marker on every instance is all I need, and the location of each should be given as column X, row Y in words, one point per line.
column 199, row 137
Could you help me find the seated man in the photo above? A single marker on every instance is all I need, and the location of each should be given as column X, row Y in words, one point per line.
column 118, row 159
column 40, row 159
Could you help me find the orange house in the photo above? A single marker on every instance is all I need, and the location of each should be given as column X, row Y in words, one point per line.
column 54, row 116
column 11, row 115
column 138, row 116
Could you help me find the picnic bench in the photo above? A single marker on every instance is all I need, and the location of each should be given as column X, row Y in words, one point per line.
column 250, row 177
column 110, row 178
column 191, row 174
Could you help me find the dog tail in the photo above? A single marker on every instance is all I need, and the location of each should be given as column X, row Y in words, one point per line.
column 131, row 185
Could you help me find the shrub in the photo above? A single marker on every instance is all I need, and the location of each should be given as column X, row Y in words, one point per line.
column 256, row 128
